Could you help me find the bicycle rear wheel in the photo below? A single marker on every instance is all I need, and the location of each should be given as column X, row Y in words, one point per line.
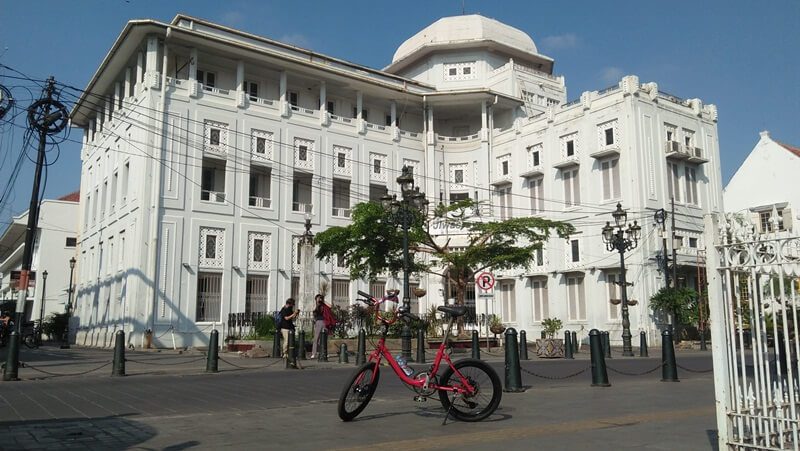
column 358, row 391
column 479, row 404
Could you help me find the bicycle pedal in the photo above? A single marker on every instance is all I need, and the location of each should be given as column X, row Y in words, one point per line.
column 420, row 398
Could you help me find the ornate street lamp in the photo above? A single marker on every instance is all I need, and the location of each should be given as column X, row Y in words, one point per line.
column 622, row 239
column 68, row 307
column 412, row 199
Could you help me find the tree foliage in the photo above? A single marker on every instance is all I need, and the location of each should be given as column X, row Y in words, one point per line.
column 373, row 243
column 681, row 302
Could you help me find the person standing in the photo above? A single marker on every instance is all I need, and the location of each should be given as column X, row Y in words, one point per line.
column 287, row 314
column 321, row 311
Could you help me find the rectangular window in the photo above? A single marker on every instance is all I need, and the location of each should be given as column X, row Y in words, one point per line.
column 575, row 251
column 388, row 121
column 94, row 206
column 539, row 257
column 261, row 145
column 508, row 301
column 209, row 296
column 691, row 185
column 610, row 173
column 330, row 107
column 535, row 158
column 257, row 294
column 614, row 296
column 572, row 188
column 251, row 89
column 693, row 243
column 609, row 136
column 377, row 289
column 457, row 197
column 570, row 148
column 459, row 176
column 214, row 135
column 293, row 98
column 505, row 167
column 125, row 175
column 504, row 202
column 537, row 196
column 540, row 307
column 673, row 182
column 340, row 159
column 114, row 181
column 208, row 79
column 376, row 166
column 340, row 293
column 71, row 242
column 576, row 299
column 302, row 153
column 103, row 201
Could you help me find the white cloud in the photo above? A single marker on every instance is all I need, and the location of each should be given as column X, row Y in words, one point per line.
column 560, row 42
column 298, row 39
column 611, row 74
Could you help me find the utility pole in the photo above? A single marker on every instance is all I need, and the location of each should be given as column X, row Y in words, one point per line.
column 660, row 218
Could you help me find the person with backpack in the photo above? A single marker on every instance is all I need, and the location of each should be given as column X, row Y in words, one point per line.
column 323, row 319
column 286, row 323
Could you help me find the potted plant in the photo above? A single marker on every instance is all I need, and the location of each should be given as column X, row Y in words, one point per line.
column 550, row 347
column 496, row 325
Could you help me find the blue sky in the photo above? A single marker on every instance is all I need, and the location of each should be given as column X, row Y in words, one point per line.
column 740, row 55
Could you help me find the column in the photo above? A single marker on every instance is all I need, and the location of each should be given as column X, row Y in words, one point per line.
column 117, row 96
column 151, row 65
column 92, row 129
column 393, row 115
column 108, row 110
column 241, row 96
column 127, row 92
column 194, row 88
column 283, row 93
column 431, row 165
column 323, row 103
column 139, row 73
column 361, row 127
column 101, row 118
column 484, row 122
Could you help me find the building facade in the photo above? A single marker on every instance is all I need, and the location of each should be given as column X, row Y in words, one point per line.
column 205, row 149
column 773, row 206
column 56, row 244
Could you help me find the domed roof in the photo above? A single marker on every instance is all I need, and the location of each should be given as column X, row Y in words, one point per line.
column 471, row 29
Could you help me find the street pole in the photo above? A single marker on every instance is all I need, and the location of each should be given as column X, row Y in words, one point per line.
column 674, row 250
column 47, row 123
column 622, row 239
column 68, row 307
column 406, row 264
column 627, row 348
column 41, row 308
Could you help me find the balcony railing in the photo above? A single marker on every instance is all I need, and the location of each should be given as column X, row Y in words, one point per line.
column 302, row 207
column 260, row 202
column 212, row 196
column 341, row 212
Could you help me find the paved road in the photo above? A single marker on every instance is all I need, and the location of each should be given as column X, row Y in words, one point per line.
column 177, row 407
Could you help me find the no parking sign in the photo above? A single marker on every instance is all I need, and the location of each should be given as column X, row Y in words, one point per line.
column 485, row 281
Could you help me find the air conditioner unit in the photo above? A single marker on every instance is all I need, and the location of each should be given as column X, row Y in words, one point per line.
column 698, row 152
column 672, row 146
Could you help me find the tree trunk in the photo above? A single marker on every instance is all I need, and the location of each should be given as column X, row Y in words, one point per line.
column 461, row 289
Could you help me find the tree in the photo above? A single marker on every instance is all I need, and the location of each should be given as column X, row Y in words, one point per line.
column 681, row 302
column 372, row 244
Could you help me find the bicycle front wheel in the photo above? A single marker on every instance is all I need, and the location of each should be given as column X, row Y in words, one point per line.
column 482, row 401
column 358, row 391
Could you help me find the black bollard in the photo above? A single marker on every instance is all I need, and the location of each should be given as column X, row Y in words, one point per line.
column 118, row 367
column 703, row 345
column 322, row 355
column 523, row 345
column 476, row 346
column 669, row 368
column 421, row 345
column 513, row 374
column 568, row 346
column 599, row 373
column 343, row 354
column 405, row 336
column 607, row 344
column 643, row 344
column 574, row 342
column 213, row 353
column 361, row 356
column 276, row 344
column 11, row 371
column 291, row 356
column 301, row 345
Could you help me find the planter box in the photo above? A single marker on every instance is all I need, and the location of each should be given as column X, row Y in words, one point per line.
column 550, row 348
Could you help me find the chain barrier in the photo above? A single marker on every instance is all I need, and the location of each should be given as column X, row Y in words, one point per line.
column 691, row 370
column 144, row 362
column 250, row 367
column 165, row 332
column 24, row 365
column 532, row 373
column 625, row 373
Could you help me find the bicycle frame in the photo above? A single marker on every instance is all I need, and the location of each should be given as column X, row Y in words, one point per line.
column 382, row 352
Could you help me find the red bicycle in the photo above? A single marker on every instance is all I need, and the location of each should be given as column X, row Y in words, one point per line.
column 469, row 389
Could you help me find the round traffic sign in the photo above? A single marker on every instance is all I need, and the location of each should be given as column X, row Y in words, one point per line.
column 485, row 281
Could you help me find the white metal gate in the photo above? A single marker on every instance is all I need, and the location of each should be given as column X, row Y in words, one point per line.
column 753, row 300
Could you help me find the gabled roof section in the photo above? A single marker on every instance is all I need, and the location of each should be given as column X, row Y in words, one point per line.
column 792, row 149
column 71, row 197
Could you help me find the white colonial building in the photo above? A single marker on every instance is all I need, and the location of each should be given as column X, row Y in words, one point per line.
column 761, row 187
column 205, row 148
column 56, row 244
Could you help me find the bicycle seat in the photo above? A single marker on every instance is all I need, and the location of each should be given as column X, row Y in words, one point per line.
column 453, row 310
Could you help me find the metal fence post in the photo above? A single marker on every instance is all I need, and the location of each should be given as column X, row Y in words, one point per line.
column 513, row 374
column 523, row 345
column 643, row 344
column 669, row 369
column 568, row 345
column 118, row 368
column 574, row 342
column 599, row 373
column 212, row 361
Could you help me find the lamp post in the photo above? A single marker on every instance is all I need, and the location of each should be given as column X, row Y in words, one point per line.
column 41, row 308
column 68, row 307
column 403, row 210
column 622, row 239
